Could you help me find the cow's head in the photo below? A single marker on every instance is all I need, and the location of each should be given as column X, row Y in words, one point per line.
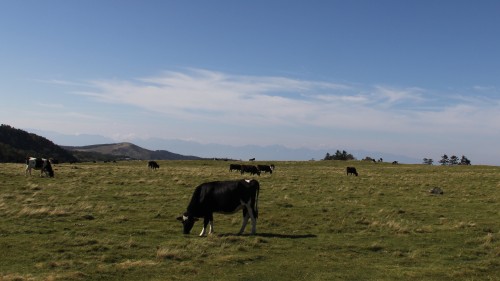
column 187, row 222
column 48, row 168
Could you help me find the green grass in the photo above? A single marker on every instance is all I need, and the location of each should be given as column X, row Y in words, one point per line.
column 116, row 221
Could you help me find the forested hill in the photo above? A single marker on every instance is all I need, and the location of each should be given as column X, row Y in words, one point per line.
column 16, row 145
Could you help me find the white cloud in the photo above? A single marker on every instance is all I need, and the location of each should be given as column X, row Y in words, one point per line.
column 210, row 106
column 221, row 98
column 390, row 96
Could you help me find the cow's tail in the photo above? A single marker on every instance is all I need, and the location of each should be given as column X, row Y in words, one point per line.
column 255, row 208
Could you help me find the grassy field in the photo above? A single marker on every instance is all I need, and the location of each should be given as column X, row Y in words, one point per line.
column 116, row 221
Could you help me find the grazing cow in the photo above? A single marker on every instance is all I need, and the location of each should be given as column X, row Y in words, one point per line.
column 266, row 168
column 153, row 165
column 234, row 167
column 249, row 169
column 436, row 190
column 39, row 164
column 222, row 197
column 351, row 171
column 395, row 162
column 251, row 159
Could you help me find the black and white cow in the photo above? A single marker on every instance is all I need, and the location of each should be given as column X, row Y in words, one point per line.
column 39, row 164
column 351, row 171
column 225, row 197
column 266, row 168
column 153, row 165
column 249, row 169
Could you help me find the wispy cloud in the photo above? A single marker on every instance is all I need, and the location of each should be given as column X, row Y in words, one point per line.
column 388, row 96
column 60, row 82
column 51, row 105
column 198, row 94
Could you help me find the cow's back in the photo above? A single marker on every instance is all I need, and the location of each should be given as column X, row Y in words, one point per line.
column 221, row 196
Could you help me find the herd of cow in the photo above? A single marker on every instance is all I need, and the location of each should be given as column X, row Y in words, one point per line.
column 225, row 197
column 252, row 169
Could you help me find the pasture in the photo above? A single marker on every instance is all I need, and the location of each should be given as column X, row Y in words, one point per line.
column 116, row 221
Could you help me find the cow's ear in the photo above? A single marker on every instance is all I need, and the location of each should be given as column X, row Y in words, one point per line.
column 179, row 218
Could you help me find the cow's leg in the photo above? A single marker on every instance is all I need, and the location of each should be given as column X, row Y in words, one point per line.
column 248, row 214
column 204, row 230
column 211, row 224
column 252, row 217
column 28, row 170
column 245, row 220
column 206, row 220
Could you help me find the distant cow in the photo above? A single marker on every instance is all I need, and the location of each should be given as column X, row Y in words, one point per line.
column 395, row 162
column 222, row 197
column 234, row 167
column 436, row 190
column 250, row 169
column 153, row 165
column 266, row 168
column 351, row 171
column 251, row 159
column 39, row 164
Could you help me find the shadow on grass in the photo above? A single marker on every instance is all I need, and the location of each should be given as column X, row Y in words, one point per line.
column 274, row 235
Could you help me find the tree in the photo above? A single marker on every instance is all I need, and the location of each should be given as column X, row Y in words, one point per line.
column 453, row 160
column 339, row 155
column 444, row 160
column 428, row 161
column 464, row 161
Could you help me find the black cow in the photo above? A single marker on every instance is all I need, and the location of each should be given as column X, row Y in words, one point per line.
column 153, row 165
column 234, row 167
column 266, row 168
column 222, row 197
column 39, row 164
column 436, row 190
column 351, row 171
column 250, row 169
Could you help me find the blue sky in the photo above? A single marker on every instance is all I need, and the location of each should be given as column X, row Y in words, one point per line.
column 417, row 78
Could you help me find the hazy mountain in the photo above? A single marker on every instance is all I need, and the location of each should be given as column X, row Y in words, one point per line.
column 271, row 152
column 72, row 140
column 126, row 150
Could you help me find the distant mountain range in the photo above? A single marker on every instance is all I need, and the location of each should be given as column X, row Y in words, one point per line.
column 182, row 147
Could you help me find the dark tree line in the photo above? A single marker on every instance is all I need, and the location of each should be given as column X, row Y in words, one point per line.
column 449, row 161
column 339, row 156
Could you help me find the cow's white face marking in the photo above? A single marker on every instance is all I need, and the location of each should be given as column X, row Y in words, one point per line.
column 184, row 218
column 248, row 181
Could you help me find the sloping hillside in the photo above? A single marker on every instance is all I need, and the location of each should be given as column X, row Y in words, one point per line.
column 127, row 150
column 16, row 145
